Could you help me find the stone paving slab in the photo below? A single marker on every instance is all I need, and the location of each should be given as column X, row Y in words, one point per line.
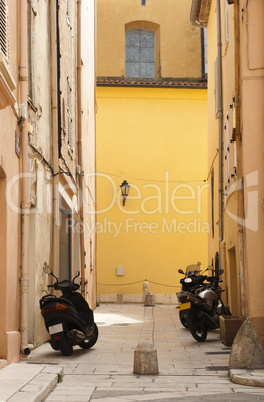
column 189, row 371
column 31, row 383
column 3, row 363
column 247, row 377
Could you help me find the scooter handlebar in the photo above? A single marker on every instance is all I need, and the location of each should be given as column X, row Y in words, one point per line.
column 66, row 285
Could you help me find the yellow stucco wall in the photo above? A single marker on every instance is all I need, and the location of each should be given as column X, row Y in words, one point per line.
column 230, row 246
column 149, row 136
column 177, row 41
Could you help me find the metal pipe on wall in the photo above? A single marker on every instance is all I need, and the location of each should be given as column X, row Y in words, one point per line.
column 55, row 160
column 80, row 136
column 220, row 126
column 240, row 212
column 25, row 202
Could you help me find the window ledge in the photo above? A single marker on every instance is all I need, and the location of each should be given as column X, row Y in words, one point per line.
column 6, row 96
column 7, row 85
column 4, row 70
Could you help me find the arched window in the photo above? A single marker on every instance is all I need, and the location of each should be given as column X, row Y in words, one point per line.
column 140, row 53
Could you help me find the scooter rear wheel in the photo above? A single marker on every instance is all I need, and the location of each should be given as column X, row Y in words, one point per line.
column 197, row 329
column 65, row 347
column 54, row 345
column 88, row 343
column 183, row 319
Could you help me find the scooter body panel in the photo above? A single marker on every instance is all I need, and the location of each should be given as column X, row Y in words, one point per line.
column 68, row 319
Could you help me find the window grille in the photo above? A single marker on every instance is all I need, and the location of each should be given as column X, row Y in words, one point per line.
column 217, row 88
column 91, row 255
column 226, row 23
column 227, row 156
column 140, row 53
column 69, row 119
column 68, row 11
column 4, row 46
column 205, row 52
column 212, row 201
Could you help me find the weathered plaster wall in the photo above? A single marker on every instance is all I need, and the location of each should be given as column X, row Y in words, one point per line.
column 179, row 42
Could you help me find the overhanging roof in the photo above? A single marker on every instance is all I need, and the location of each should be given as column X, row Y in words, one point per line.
column 200, row 12
column 151, row 83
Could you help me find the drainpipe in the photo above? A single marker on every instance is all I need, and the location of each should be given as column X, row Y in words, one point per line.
column 25, row 203
column 241, row 230
column 220, row 126
column 80, row 138
column 55, row 161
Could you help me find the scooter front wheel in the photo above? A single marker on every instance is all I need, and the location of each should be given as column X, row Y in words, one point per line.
column 65, row 347
column 88, row 343
column 197, row 328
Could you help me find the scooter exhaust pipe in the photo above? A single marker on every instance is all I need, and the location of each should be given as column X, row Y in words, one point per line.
column 71, row 335
column 75, row 335
column 209, row 321
column 26, row 351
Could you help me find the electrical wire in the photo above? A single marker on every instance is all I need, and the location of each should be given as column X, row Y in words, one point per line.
column 212, row 164
column 133, row 283
column 152, row 180
column 41, row 156
column 119, row 284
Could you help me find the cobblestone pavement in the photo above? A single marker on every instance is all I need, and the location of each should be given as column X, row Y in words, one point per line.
column 188, row 370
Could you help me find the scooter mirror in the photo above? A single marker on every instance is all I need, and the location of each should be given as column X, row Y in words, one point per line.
column 77, row 273
column 180, row 271
column 210, row 268
column 47, row 270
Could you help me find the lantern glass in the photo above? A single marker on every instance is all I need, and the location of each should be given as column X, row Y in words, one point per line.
column 124, row 190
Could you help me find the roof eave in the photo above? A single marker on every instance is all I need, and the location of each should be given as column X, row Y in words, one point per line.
column 195, row 15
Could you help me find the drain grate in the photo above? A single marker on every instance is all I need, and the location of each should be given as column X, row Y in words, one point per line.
column 217, row 353
column 217, row 368
column 120, row 325
column 114, row 325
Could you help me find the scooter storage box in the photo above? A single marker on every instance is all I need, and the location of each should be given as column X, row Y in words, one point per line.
column 229, row 326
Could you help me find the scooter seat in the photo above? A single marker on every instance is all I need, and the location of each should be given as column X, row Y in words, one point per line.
column 52, row 298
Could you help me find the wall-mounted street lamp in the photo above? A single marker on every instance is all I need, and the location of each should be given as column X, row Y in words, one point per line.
column 124, row 190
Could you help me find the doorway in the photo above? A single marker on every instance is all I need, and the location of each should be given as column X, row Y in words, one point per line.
column 234, row 296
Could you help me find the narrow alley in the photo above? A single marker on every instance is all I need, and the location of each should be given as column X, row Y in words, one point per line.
column 188, row 370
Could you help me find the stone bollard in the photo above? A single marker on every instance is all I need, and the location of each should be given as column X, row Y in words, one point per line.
column 149, row 299
column 145, row 359
column 145, row 290
column 145, row 287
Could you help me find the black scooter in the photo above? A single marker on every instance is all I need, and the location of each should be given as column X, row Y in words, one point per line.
column 204, row 307
column 68, row 318
column 193, row 282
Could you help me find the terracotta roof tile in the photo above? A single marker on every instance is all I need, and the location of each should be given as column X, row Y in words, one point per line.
column 163, row 82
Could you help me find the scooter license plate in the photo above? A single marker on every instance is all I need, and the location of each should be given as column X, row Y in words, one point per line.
column 185, row 306
column 55, row 329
